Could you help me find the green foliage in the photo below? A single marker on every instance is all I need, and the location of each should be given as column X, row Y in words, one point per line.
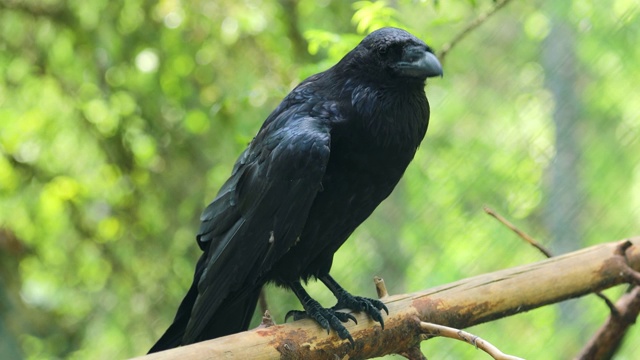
column 120, row 120
column 372, row 15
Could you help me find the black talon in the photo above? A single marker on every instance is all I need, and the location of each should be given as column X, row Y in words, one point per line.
column 356, row 303
column 343, row 316
column 296, row 315
column 332, row 318
column 384, row 307
column 348, row 337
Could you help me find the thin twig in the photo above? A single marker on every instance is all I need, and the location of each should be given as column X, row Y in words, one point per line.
column 449, row 332
column 543, row 250
column 381, row 289
column 609, row 337
column 612, row 307
column 267, row 320
column 519, row 232
column 470, row 27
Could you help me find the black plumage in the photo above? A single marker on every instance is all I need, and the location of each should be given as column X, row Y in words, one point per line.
column 320, row 164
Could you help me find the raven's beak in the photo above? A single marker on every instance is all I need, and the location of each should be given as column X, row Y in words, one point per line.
column 419, row 62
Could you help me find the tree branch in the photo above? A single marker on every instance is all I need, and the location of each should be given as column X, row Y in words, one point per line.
column 460, row 304
column 607, row 340
column 452, row 333
column 470, row 27
column 524, row 236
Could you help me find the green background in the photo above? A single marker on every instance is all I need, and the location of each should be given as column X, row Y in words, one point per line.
column 119, row 120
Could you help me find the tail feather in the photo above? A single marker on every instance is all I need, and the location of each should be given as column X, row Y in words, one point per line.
column 173, row 336
column 233, row 315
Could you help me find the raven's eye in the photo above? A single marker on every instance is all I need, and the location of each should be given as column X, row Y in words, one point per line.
column 382, row 50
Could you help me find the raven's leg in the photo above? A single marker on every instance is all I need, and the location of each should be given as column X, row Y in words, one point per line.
column 356, row 303
column 327, row 318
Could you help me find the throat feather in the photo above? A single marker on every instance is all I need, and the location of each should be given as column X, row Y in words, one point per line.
column 393, row 118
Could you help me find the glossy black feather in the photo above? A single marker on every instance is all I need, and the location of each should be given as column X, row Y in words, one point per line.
column 320, row 164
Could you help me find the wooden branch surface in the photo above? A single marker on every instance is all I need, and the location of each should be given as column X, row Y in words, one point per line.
column 460, row 304
column 608, row 339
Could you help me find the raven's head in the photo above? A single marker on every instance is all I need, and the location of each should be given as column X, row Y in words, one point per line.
column 395, row 53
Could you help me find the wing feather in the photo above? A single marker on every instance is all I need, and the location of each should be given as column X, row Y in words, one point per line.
column 260, row 211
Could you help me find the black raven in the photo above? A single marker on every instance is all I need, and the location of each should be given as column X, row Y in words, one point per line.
column 323, row 160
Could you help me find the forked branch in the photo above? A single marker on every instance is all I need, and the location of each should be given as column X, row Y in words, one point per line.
column 460, row 304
